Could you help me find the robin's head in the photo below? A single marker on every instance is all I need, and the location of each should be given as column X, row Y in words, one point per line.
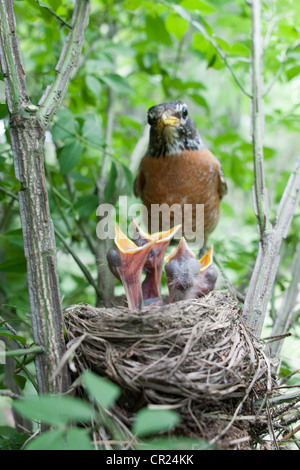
column 172, row 129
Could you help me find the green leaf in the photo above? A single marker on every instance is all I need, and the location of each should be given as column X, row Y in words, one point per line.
column 11, row 439
column 100, row 389
column 176, row 25
column 94, row 85
column 22, row 340
column 65, row 126
column 200, row 43
column 54, row 410
column 156, row 31
column 117, row 83
column 72, row 439
column 200, row 100
column 293, row 72
column 239, row 49
column 152, row 421
column 86, row 205
column 14, row 265
column 69, row 156
column 132, row 4
column 14, row 237
column 204, row 7
column 92, row 129
column 20, row 380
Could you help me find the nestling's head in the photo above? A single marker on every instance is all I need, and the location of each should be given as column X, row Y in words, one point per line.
column 172, row 130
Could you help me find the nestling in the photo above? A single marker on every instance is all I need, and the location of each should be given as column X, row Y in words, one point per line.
column 188, row 278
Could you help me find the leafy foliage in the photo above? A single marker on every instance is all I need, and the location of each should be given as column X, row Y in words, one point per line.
column 61, row 412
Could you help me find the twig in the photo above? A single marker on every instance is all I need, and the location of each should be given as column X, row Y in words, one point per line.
column 289, row 435
column 83, row 228
column 9, row 193
column 56, row 16
column 268, row 258
column 257, row 114
column 236, row 294
column 11, row 64
column 22, row 352
column 105, row 279
column 139, row 150
column 6, row 393
column 54, row 94
column 281, row 66
column 83, row 268
column 288, row 309
column 68, row 354
column 211, row 40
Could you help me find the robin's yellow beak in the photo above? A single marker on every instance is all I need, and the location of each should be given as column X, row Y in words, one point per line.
column 166, row 120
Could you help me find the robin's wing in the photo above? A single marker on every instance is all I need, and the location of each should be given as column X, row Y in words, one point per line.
column 139, row 183
column 222, row 189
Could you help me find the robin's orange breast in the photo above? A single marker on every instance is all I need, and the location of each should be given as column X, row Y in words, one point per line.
column 190, row 178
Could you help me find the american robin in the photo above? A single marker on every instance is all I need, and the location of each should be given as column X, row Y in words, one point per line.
column 126, row 261
column 154, row 263
column 179, row 169
column 188, row 278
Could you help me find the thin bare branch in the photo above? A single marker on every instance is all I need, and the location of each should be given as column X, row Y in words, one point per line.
column 290, row 305
column 11, row 60
column 179, row 10
column 266, row 265
column 81, row 265
column 257, row 115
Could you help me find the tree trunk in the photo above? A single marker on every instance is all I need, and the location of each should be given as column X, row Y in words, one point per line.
column 28, row 124
column 27, row 138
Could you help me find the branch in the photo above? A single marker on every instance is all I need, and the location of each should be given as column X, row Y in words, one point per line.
column 55, row 93
column 289, row 306
column 83, row 268
column 266, row 265
column 139, row 150
column 11, row 60
column 257, row 115
column 57, row 17
column 83, row 229
column 281, row 66
column 22, row 352
column 181, row 12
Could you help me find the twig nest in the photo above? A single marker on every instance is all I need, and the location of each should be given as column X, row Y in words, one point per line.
column 194, row 354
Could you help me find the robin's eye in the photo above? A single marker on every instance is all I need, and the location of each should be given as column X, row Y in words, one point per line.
column 184, row 112
column 151, row 119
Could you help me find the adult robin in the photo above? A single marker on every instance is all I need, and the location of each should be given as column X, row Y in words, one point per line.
column 154, row 263
column 188, row 278
column 179, row 170
column 126, row 261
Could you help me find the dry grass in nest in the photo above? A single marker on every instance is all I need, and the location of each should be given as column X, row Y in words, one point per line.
column 194, row 356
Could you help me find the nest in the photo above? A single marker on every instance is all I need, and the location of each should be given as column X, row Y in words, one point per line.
column 193, row 356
